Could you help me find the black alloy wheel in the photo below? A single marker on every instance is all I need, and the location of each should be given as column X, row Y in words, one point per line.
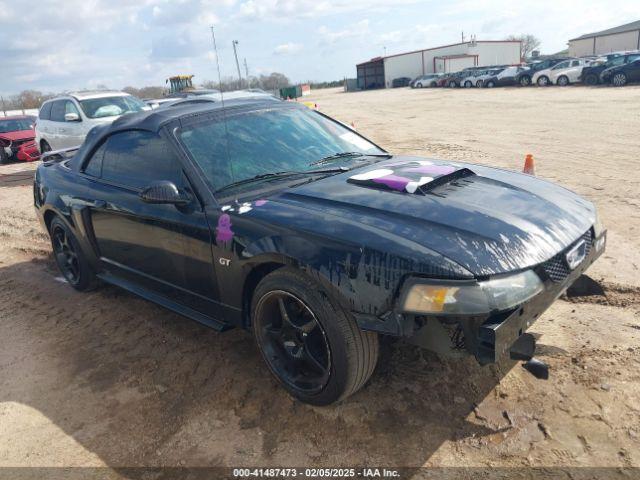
column 293, row 341
column 310, row 342
column 65, row 254
column 69, row 257
column 591, row 79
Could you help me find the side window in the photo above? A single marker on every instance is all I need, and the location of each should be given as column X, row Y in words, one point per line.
column 45, row 111
column 633, row 58
column 575, row 63
column 57, row 111
column 136, row 159
column 94, row 167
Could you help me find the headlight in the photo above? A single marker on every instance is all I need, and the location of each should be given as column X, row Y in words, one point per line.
column 597, row 226
column 471, row 298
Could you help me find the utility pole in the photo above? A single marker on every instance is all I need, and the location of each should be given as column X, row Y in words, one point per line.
column 463, row 36
column 4, row 110
column 235, row 52
column 246, row 72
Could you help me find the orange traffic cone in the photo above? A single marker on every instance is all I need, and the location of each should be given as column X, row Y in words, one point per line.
column 529, row 167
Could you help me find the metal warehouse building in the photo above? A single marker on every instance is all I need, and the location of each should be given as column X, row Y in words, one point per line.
column 379, row 72
column 624, row 37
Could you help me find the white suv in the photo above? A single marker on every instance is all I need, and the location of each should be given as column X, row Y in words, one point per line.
column 64, row 121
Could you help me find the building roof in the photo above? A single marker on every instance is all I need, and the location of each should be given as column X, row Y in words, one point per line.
column 377, row 59
column 629, row 27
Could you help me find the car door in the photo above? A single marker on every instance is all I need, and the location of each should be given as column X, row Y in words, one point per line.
column 74, row 131
column 574, row 71
column 55, row 124
column 506, row 77
column 162, row 248
column 633, row 70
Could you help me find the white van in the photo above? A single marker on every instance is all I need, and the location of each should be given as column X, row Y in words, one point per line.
column 64, row 121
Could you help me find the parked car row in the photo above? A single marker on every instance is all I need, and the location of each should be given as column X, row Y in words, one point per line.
column 617, row 68
column 63, row 122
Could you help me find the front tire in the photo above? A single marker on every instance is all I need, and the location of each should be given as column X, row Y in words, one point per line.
column 563, row 81
column 4, row 158
column 468, row 84
column 491, row 84
column 591, row 79
column 543, row 81
column 44, row 146
column 619, row 80
column 310, row 343
column 525, row 81
column 452, row 84
column 69, row 257
column 418, row 85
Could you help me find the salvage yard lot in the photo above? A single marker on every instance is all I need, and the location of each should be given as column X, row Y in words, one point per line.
column 109, row 379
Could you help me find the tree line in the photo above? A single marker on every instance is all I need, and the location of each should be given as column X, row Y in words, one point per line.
column 29, row 99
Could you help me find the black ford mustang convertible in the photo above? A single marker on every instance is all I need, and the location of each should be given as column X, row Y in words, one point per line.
column 272, row 217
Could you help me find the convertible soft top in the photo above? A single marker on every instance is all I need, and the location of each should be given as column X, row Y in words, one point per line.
column 155, row 120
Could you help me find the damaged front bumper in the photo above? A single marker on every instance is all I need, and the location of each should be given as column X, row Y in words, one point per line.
column 23, row 150
column 493, row 337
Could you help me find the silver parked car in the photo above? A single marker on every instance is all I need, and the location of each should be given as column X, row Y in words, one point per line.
column 64, row 121
column 424, row 81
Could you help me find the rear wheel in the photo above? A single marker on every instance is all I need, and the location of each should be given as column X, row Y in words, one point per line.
column 591, row 79
column 452, row 84
column 491, row 84
column 44, row 146
column 543, row 81
column 525, row 80
column 434, row 84
column 69, row 257
column 311, row 344
column 563, row 81
column 619, row 79
column 418, row 85
column 468, row 84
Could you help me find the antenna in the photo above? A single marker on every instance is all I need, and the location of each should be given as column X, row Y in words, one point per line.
column 215, row 49
column 224, row 110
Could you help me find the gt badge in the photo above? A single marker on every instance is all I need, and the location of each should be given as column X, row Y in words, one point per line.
column 225, row 262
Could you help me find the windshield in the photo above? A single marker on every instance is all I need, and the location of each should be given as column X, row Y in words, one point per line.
column 15, row 125
column 268, row 141
column 111, row 106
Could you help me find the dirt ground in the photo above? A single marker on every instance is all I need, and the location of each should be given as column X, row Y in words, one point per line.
column 107, row 379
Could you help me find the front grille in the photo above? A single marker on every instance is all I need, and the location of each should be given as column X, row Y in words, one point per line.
column 556, row 267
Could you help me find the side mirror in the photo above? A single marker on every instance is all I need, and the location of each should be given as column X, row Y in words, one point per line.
column 71, row 117
column 164, row 193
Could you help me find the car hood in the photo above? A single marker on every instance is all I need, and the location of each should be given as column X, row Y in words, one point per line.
column 487, row 220
column 19, row 135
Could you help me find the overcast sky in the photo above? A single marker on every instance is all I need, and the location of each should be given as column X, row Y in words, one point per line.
column 55, row 45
